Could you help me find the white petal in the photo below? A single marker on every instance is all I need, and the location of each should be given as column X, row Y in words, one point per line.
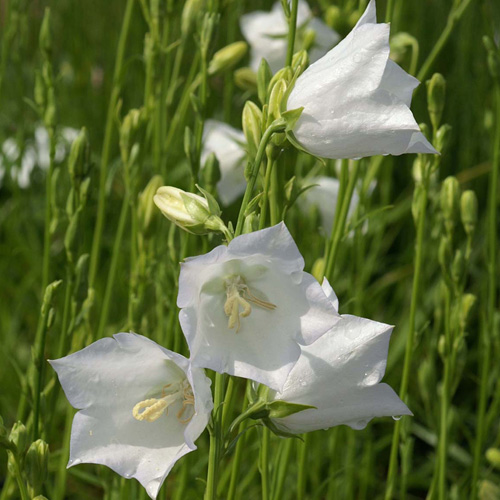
column 369, row 15
column 340, row 375
column 106, row 380
column 330, row 294
column 324, row 40
column 398, row 82
column 227, row 144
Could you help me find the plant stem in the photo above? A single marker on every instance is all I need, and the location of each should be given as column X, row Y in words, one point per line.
column 108, row 136
column 282, row 468
column 264, row 462
column 302, row 467
column 391, row 476
column 291, row 32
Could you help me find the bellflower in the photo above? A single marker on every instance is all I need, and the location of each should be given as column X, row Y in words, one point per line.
column 356, row 100
column 267, row 32
column 340, row 375
column 246, row 307
column 227, row 143
column 141, row 406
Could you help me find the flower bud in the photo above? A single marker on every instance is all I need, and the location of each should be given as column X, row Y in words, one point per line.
column 468, row 303
column 418, row 170
column 493, row 58
column 334, row 18
column 309, row 39
column 458, row 266
column 129, row 132
column 252, row 126
column 79, row 155
column 441, row 347
column 443, row 136
column 251, row 223
column 300, row 61
column 493, row 457
column 436, row 92
column 277, row 94
column 227, row 57
column 318, row 269
column 37, row 459
column 264, row 76
column 445, row 254
column 190, row 13
column 468, row 211
column 283, row 74
column 45, row 38
column 416, row 204
column 399, row 45
column 39, row 94
column 211, row 172
column 488, row 490
column 424, row 128
column 145, row 209
column 246, row 79
column 450, row 201
column 19, row 437
column 187, row 210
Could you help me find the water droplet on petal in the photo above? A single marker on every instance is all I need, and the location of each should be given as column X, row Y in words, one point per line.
column 396, row 417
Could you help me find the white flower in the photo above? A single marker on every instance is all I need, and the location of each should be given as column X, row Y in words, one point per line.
column 141, row 406
column 247, row 307
column 227, row 143
column 267, row 33
column 356, row 100
column 339, row 374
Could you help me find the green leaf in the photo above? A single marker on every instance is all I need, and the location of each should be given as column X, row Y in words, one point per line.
column 281, row 409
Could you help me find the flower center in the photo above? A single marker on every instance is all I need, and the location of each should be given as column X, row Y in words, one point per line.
column 239, row 298
column 151, row 409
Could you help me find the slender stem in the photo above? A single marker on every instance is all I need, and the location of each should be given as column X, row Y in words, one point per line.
column 60, row 486
column 282, row 468
column 302, row 467
column 113, row 266
column 19, row 477
column 291, row 32
column 264, row 462
column 391, row 476
column 389, row 10
column 108, row 136
column 265, row 193
column 453, row 19
column 489, row 330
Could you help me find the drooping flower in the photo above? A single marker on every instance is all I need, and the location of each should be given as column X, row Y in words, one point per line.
column 245, row 308
column 227, row 143
column 356, row 100
column 142, row 407
column 267, row 32
column 340, row 375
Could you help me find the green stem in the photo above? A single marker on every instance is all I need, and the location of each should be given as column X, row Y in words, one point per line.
column 113, row 266
column 265, row 193
column 391, row 476
column 453, row 19
column 264, row 462
column 291, row 32
column 302, row 467
column 108, row 136
column 19, row 477
column 60, row 486
column 282, row 468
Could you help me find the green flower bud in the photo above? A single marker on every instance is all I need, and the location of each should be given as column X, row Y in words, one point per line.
column 252, row 126
column 188, row 211
column 190, row 13
column 40, row 91
column 445, row 254
column 300, row 61
column 79, row 157
column 416, row 204
column 468, row 211
column 309, row 39
column 283, row 74
column 493, row 457
column 399, row 45
column 458, row 266
column 488, row 490
column 251, row 223
column 227, row 57
column 418, row 170
column 130, row 130
column 145, row 209
column 19, row 437
column 275, row 99
column 37, row 459
column 441, row 347
column 45, row 38
column 264, row 76
column 318, row 269
column 468, row 302
column 424, row 128
column 436, row 92
column 443, row 136
column 493, row 58
column 450, row 201
column 334, row 18
column 246, row 79
column 211, row 172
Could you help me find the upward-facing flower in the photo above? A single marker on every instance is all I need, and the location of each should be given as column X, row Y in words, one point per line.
column 267, row 32
column 142, row 407
column 227, row 143
column 340, row 375
column 356, row 100
column 245, row 308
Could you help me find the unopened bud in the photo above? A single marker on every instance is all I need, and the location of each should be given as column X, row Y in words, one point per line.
column 493, row 58
column 416, row 205
column 130, row 130
column 488, row 490
column 79, row 156
column 458, row 266
column 264, row 76
column 19, row 437
column 252, row 126
column 436, row 93
column 309, row 39
column 45, row 38
column 424, row 128
column 246, row 79
column 450, row 201
column 190, row 13
column 300, row 61
column 418, row 170
column 468, row 211
column 399, row 45
column 145, row 209
column 211, row 172
column 39, row 94
column 283, row 74
column 275, row 99
column 493, row 457
column 441, row 347
column 37, row 459
column 334, row 18
column 468, row 302
column 227, row 57
column 251, row 223
column 318, row 269
column 187, row 210
column 443, row 136
column 445, row 254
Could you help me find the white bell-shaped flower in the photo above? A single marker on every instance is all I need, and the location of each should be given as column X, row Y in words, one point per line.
column 228, row 145
column 246, row 307
column 340, row 375
column 141, row 406
column 356, row 100
column 267, row 33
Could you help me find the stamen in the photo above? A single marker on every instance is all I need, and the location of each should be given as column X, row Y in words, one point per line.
column 153, row 409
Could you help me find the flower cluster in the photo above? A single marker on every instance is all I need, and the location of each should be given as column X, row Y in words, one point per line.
column 248, row 308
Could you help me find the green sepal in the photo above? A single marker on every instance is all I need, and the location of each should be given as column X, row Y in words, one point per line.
column 194, row 208
column 253, row 204
column 274, row 429
column 295, row 144
column 291, row 117
column 213, row 206
column 282, row 409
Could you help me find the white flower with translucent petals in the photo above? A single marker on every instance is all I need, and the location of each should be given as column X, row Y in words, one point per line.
column 267, row 33
column 227, row 143
column 247, row 307
column 141, row 406
column 356, row 100
column 340, row 375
